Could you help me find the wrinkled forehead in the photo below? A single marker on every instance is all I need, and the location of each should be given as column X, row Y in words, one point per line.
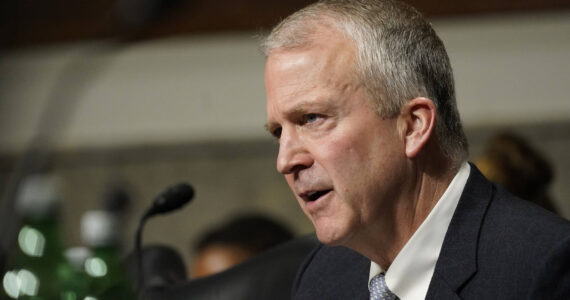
column 328, row 47
column 328, row 61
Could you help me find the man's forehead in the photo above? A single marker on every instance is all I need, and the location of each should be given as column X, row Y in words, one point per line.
column 283, row 61
column 331, row 57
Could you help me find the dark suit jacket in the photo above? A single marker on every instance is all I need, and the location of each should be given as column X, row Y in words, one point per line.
column 496, row 247
column 267, row 276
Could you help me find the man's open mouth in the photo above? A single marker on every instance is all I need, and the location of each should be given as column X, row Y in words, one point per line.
column 314, row 195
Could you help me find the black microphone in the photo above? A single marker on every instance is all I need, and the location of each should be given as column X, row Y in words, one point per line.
column 169, row 200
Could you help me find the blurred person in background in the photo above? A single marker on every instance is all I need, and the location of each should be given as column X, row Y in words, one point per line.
column 234, row 242
column 512, row 162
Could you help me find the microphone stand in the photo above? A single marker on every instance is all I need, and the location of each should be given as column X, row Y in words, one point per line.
column 138, row 251
column 169, row 200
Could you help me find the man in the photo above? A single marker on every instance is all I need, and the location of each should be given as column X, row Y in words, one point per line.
column 236, row 241
column 360, row 96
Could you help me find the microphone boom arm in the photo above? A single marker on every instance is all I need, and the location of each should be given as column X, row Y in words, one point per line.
column 169, row 200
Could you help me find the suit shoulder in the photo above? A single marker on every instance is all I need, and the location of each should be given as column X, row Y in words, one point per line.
column 521, row 235
column 528, row 218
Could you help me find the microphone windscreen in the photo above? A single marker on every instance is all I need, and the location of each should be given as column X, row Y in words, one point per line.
column 172, row 198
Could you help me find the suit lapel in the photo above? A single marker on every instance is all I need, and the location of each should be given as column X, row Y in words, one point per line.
column 440, row 290
column 457, row 260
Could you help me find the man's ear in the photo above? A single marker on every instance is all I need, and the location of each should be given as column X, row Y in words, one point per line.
column 417, row 121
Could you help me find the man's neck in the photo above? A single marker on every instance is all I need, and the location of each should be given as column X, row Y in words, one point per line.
column 383, row 241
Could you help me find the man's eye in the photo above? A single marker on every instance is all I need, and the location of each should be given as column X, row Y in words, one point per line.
column 311, row 118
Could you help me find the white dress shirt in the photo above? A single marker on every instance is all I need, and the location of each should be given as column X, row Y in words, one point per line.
column 410, row 273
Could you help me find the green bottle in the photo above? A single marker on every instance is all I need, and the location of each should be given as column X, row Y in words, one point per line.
column 76, row 283
column 36, row 265
column 109, row 280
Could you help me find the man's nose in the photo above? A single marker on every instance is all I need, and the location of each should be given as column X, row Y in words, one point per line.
column 293, row 156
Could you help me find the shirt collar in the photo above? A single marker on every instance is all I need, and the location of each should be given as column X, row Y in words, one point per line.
column 410, row 273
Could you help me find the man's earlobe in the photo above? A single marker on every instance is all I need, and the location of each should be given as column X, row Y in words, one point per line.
column 419, row 115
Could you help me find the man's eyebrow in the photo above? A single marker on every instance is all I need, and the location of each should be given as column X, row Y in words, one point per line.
column 297, row 109
column 300, row 108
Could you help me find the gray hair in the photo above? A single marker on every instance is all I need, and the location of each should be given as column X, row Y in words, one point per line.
column 399, row 57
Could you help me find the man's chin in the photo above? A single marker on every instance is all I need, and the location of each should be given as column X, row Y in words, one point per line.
column 330, row 237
